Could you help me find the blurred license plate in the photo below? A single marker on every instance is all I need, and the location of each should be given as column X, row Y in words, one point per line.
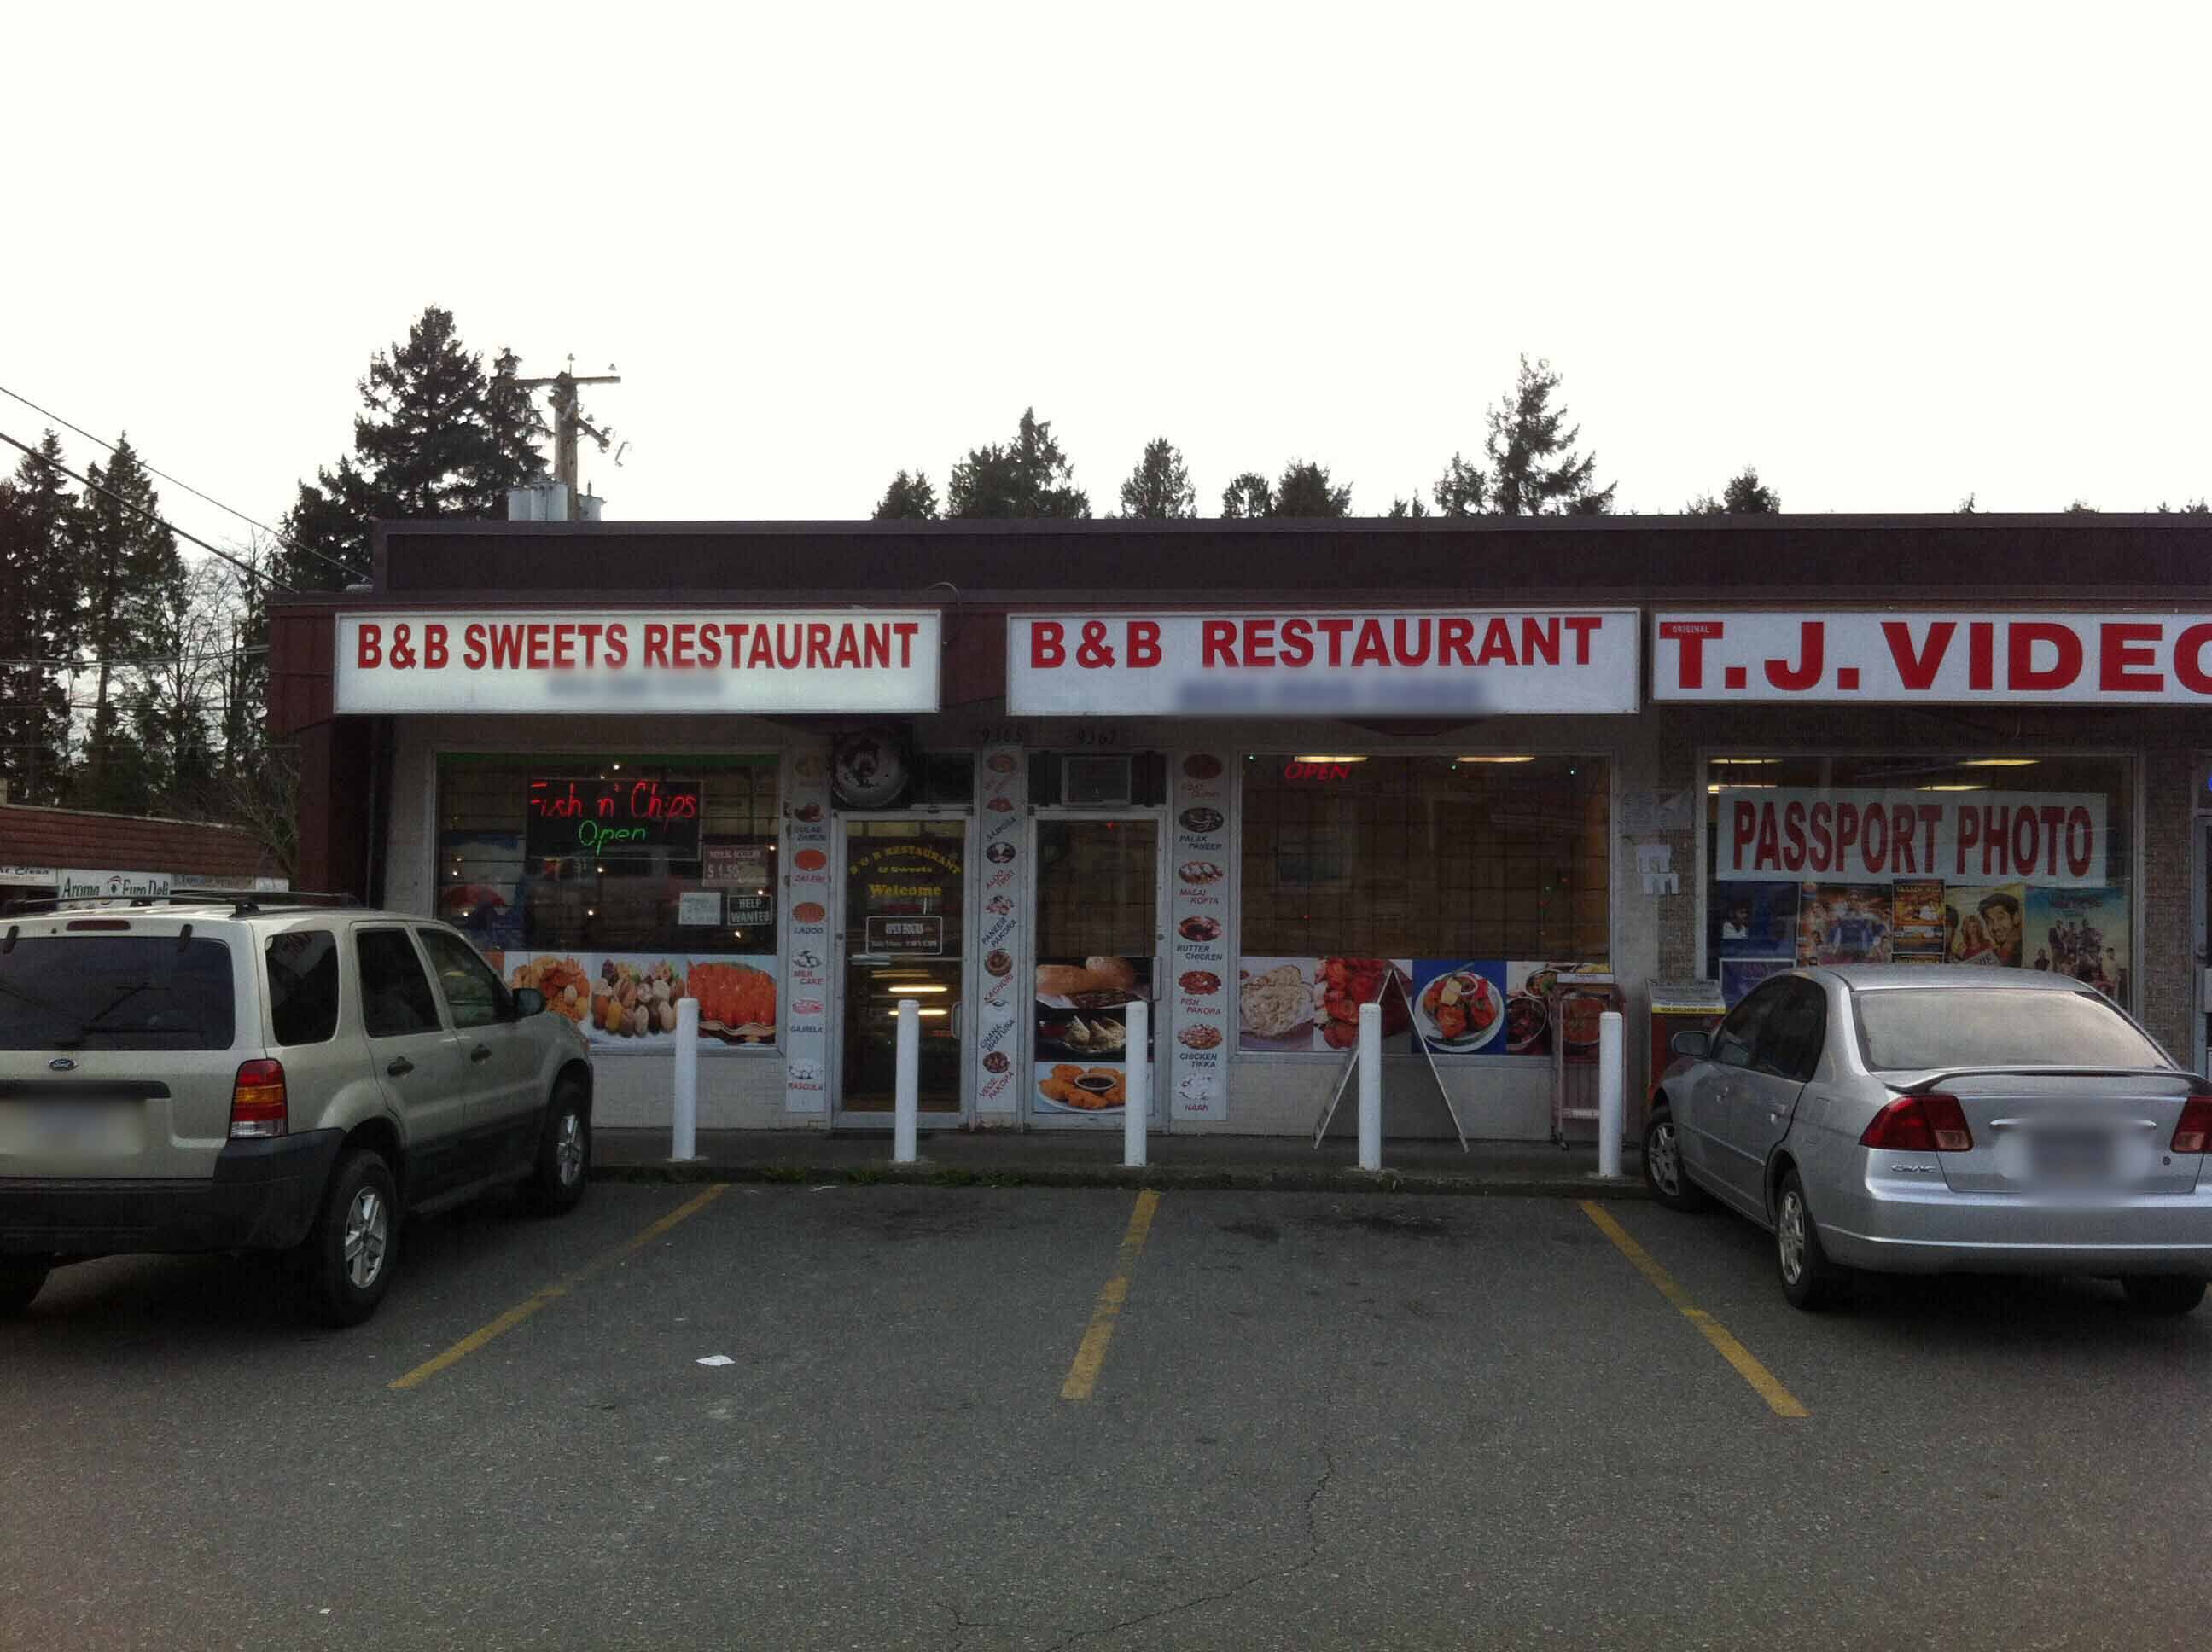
column 2074, row 1156
column 86, row 1126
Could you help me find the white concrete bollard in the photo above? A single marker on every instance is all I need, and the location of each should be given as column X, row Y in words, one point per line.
column 906, row 1097
column 1612, row 1093
column 1137, row 1117
column 1370, row 1086
column 683, row 1143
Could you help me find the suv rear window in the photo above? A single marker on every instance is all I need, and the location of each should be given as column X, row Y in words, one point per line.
column 1916, row 1029
column 303, row 987
column 115, row 992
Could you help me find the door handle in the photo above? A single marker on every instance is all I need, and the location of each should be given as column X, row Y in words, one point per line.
column 400, row 1067
column 480, row 1053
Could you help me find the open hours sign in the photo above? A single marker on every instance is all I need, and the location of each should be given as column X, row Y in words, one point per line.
column 612, row 819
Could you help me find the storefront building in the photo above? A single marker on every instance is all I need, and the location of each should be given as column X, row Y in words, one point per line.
column 1254, row 773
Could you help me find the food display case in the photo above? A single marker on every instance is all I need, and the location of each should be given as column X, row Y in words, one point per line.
column 1576, row 1002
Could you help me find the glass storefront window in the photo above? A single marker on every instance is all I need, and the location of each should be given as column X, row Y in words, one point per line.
column 610, row 882
column 2004, row 861
column 1440, row 857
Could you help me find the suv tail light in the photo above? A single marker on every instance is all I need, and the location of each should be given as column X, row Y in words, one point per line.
column 258, row 1103
column 2194, row 1133
column 1934, row 1123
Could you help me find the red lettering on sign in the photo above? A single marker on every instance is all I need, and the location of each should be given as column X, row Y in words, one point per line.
column 1452, row 636
column 1217, row 643
column 1769, row 850
column 1996, row 825
column 1371, row 649
column 1900, row 839
column 1931, row 817
column 1793, row 834
column 906, row 630
column 1873, row 840
column 1407, row 655
column 1918, row 671
column 1539, row 639
column 2081, row 841
column 1047, row 645
column 1259, row 642
column 1334, row 630
column 1143, row 644
column 2023, row 673
column 435, row 653
column 1822, row 857
column 817, row 646
column 2189, row 658
column 2124, row 649
column 1847, row 832
column 1297, row 642
column 472, row 647
column 1970, row 833
column 1796, row 679
column 1746, row 827
column 1690, row 657
column 368, row 646
column 656, row 645
column 617, row 646
column 1981, row 655
column 1583, row 625
column 1497, row 644
column 848, row 647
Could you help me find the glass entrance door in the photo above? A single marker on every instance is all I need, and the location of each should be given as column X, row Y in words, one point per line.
column 1097, row 946
column 904, row 935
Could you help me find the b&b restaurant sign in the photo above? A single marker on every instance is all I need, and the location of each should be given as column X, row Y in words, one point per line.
column 1293, row 663
column 652, row 660
column 2071, row 659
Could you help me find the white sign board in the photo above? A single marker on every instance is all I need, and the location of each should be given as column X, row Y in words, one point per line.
column 89, row 885
column 1463, row 663
column 699, row 908
column 2075, row 658
column 2053, row 839
column 656, row 661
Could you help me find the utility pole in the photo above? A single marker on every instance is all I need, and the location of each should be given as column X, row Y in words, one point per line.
column 569, row 423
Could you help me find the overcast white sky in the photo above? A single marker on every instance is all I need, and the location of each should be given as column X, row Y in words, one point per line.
column 1890, row 254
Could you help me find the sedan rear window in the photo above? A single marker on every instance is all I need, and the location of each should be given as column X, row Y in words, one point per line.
column 115, row 992
column 1916, row 1029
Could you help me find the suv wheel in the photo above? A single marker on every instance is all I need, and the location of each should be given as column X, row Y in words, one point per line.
column 564, row 1153
column 347, row 1259
column 20, row 1280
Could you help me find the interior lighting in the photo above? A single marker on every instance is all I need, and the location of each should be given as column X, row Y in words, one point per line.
column 1741, row 785
column 1328, row 759
column 1745, row 762
column 893, row 1014
column 1494, row 760
column 1957, row 786
column 1999, row 763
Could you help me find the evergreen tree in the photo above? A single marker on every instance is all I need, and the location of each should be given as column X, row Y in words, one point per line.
column 1534, row 469
column 1745, row 495
column 1966, row 506
column 1028, row 477
column 1461, row 490
column 908, row 499
column 1403, row 508
column 1247, row 497
column 438, row 437
column 2080, row 507
column 38, row 602
column 2199, row 508
column 1160, row 489
column 132, row 572
column 1304, row 490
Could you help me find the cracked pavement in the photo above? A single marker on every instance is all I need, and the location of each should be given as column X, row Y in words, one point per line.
column 1324, row 1420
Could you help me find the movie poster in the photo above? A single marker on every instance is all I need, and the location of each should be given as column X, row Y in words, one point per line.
column 1985, row 924
column 1916, row 933
column 1844, row 923
column 2081, row 933
column 1740, row 976
column 1753, row 920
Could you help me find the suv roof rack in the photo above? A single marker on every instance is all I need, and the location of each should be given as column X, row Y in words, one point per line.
column 242, row 902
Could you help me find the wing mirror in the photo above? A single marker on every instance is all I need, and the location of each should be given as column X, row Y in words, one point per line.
column 1696, row 1045
column 528, row 1001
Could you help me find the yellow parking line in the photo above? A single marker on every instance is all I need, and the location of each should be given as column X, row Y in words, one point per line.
column 515, row 1315
column 1779, row 1399
column 1083, row 1375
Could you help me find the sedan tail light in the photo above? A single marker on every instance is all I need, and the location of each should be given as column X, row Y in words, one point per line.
column 1934, row 1123
column 2194, row 1133
column 258, row 1106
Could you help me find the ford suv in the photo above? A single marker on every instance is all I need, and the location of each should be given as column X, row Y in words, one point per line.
column 236, row 1072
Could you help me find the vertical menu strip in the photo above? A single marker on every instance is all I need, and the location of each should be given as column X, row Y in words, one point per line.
column 1001, row 1018
column 1199, row 949
column 805, row 856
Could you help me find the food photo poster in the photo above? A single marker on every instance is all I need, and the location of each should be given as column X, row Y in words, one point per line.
column 626, row 1001
column 1311, row 1005
column 1081, row 1047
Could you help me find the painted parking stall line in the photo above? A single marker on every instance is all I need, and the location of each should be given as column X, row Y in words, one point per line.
column 552, row 1293
column 1090, row 1356
column 1779, row 1399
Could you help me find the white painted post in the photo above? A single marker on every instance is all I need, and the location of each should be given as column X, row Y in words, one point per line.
column 1138, row 1115
column 1612, row 1093
column 906, row 1097
column 1370, row 1086
column 684, row 1144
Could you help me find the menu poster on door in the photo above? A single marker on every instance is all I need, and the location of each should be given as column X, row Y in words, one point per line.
column 1003, row 795
column 1199, row 948
column 805, row 857
column 1082, row 1040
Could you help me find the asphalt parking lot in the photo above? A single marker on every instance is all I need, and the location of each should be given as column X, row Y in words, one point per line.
column 1002, row 1417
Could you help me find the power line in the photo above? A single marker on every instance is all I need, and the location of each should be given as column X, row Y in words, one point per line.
column 247, row 569
column 289, row 544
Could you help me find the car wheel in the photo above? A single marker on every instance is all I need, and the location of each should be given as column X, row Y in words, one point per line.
column 346, row 1260
column 2163, row 1293
column 1663, row 1174
column 20, row 1279
column 1809, row 1280
column 563, row 1170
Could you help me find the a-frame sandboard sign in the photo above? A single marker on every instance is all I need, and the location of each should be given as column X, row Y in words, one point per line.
column 1391, row 983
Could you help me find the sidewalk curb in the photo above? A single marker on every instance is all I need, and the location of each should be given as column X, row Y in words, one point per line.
column 926, row 1175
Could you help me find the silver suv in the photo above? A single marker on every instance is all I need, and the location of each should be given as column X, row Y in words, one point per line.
column 231, row 1072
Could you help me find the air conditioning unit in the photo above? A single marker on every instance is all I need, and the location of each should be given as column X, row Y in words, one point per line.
column 1088, row 782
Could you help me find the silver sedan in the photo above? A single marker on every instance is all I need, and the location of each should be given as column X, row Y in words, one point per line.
column 1904, row 1119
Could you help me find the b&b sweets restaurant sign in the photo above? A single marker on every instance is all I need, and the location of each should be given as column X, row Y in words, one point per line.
column 655, row 660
